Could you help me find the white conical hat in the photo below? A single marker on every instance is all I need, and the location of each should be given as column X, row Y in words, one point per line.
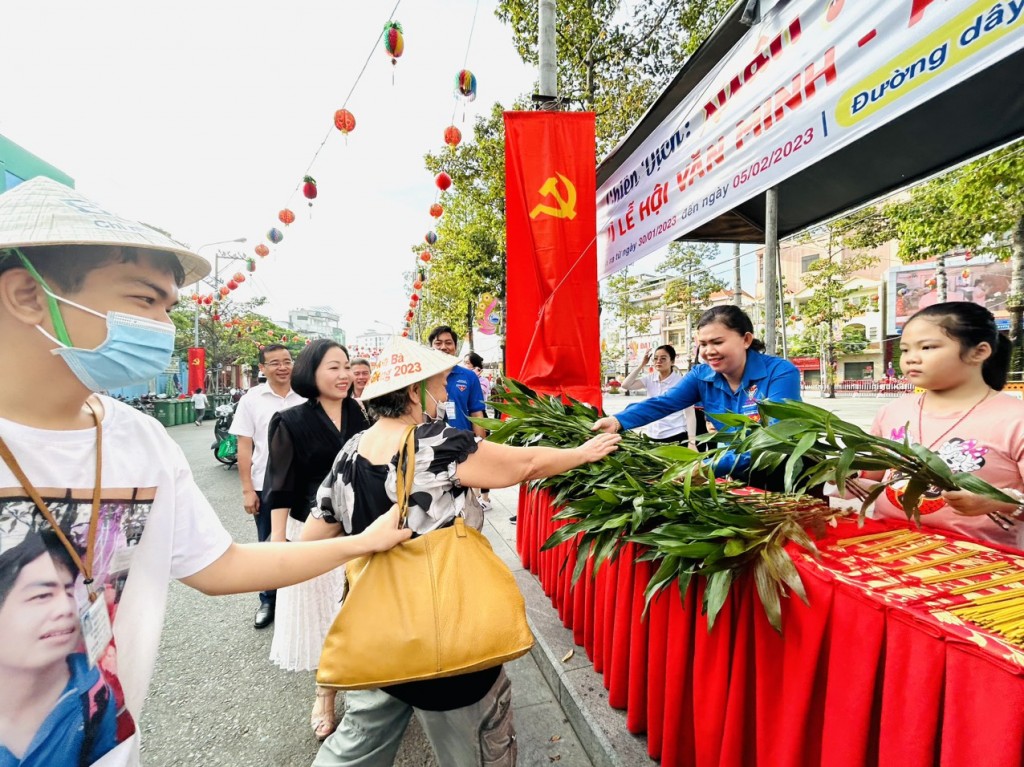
column 44, row 212
column 402, row 363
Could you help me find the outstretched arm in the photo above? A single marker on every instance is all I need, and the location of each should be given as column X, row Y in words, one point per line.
column 265, row 566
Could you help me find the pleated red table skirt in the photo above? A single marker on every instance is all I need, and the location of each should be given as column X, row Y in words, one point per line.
column 850, row 682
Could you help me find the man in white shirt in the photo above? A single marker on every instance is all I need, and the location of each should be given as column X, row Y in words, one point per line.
column 250, row 424
column 200, row 403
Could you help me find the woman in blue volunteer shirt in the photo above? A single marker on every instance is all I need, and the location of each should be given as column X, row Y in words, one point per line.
column 735, row 376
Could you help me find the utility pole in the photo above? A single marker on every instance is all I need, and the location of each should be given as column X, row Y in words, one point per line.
column 771, row 262
column 737, row 286
column 547, row 49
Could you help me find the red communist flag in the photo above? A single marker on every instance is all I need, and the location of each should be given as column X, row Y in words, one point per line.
column 553, row 339
column 196, row 368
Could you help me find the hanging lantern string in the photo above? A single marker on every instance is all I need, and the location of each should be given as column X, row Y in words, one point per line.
column 472, row 26
column 352, row 90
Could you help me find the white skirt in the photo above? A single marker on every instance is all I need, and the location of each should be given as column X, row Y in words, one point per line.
column 304, row 614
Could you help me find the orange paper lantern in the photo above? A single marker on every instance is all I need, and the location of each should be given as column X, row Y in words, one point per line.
column 436, row 210
column 262, row 250
column 286, row 216
column 425, row 256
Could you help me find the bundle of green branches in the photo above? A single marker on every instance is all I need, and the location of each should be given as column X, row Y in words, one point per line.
column 688, row 527
column 814, row 446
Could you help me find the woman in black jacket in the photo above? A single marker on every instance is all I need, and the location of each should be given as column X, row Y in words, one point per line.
column 303, row 443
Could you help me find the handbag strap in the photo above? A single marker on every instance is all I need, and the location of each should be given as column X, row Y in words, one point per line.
column 406, row 470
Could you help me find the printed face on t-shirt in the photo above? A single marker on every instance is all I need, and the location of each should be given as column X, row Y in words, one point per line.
column 38, row 618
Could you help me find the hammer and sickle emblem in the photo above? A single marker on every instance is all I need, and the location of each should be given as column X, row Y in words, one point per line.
column 195, row 362
column 566, row 205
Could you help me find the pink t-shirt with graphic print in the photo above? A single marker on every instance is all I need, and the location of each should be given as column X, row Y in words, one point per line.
column 989, row 442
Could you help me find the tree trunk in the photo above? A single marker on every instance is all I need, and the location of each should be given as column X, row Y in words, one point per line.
column 940, row 279
column 469, row 324
column 1015, row 304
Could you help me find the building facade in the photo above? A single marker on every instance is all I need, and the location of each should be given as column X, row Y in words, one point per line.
column 317, row 322
column 18, row 164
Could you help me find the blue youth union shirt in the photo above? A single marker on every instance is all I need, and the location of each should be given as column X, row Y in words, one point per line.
column 764, row 378
column 464, row 390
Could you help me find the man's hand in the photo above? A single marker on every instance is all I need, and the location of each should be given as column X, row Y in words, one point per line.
column 251, row 501
column 609, row 425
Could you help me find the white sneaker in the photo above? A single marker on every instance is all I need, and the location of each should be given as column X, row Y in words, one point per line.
column 485, row 505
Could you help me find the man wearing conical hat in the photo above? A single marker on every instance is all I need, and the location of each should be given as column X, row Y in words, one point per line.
column 84, row 302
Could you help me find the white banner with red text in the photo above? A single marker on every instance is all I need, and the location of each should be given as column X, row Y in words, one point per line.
column 814, row 76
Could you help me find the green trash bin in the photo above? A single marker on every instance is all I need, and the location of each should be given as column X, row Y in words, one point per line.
column 190, row 411
column 163, row 411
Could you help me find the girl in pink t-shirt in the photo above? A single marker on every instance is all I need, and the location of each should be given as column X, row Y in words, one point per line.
column 955, row 353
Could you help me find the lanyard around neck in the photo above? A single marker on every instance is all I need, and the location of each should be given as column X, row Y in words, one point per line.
column 84, row 566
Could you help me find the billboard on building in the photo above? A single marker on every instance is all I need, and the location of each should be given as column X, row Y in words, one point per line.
column 981, row 280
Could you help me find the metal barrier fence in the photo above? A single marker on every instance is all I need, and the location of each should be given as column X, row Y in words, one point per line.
column 892, row 387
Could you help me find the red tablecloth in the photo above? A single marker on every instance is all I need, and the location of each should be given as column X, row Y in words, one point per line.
column 858, row 676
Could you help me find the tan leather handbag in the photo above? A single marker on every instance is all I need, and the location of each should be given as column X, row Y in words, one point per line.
column 435, row 606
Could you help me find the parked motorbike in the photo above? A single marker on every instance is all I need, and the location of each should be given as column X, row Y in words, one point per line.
column 225, row 445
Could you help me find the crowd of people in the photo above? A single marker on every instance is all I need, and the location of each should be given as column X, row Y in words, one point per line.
column 90, row 535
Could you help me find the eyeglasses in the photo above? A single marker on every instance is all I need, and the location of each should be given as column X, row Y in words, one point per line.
column 278, row 364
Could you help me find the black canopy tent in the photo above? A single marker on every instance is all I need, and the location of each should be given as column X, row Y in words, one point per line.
column 980, row 114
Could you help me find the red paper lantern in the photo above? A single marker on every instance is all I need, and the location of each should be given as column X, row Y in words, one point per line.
column 417, row 284
column 232, row 285
column 436, row 210
column 284, row 339
column 405, row 334
column 216, row 317
column 452, row 136
column 238, row 277
column 443, row 181
column 286, row 216
column 309, row 341
column 262, row 250
column 425, row 256
column 208, row 299
column 224, row 291
column 309, row 189
column 344, row 121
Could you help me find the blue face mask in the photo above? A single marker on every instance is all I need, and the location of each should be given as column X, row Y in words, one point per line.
column 135, row 350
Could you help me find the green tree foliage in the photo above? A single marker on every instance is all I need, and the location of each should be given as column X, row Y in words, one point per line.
column 691, row 284
column 614, row 60
column 830, row 304
column 237, row 344
column 624, row 296
column 979, row 207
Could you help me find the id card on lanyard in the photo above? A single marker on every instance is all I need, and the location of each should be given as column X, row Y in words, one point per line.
column 749, row 406
column 93, row 616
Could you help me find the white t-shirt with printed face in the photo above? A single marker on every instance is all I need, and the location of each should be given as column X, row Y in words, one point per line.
column 154, row 525
column 252, row 418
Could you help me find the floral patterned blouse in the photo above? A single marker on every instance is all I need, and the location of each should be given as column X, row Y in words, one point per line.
column 356, row 491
